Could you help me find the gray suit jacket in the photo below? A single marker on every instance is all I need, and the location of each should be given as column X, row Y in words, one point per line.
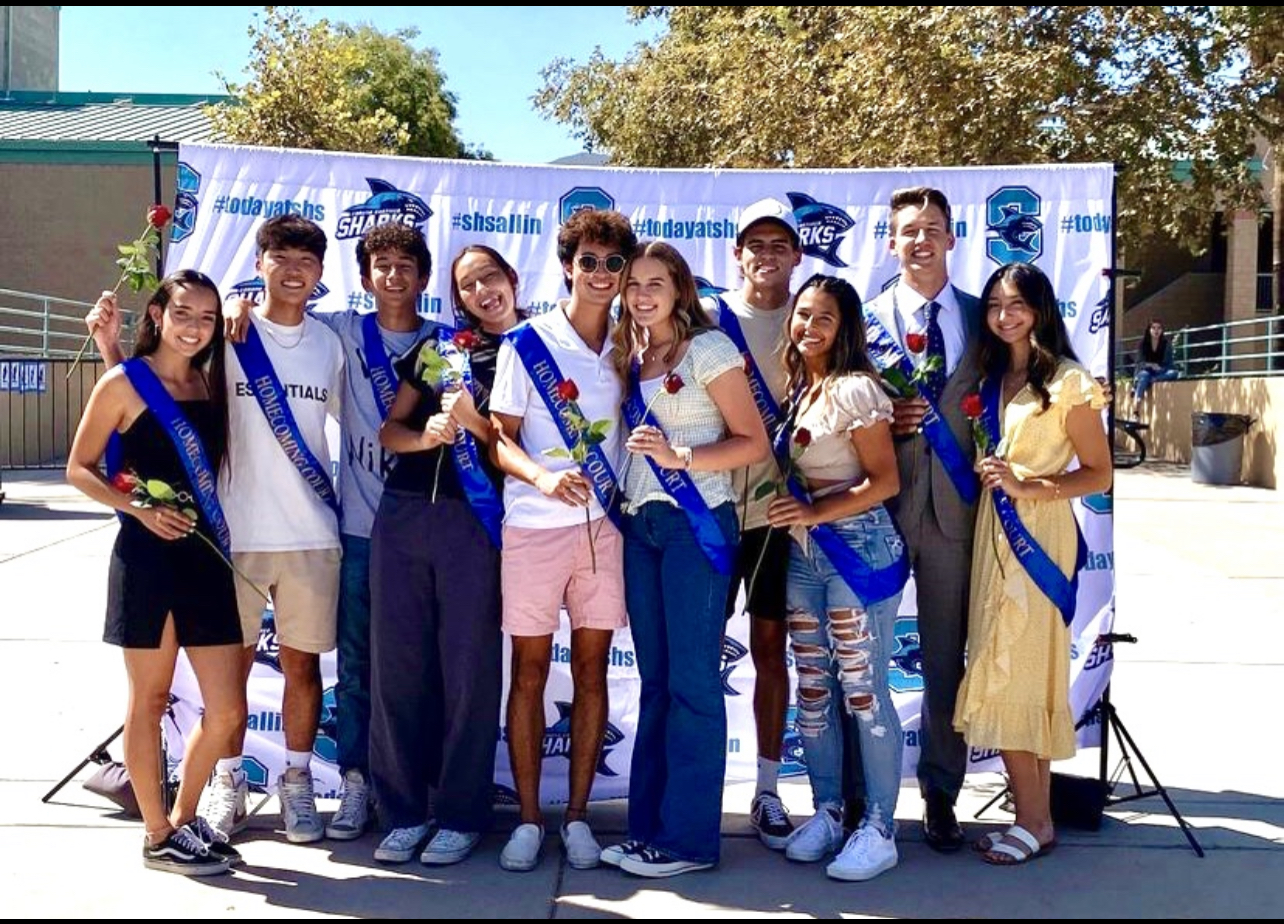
column 924, row 480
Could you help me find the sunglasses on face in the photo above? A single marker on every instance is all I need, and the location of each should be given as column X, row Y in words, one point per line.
column 589, row 262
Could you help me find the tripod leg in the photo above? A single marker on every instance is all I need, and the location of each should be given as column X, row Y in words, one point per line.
column 985, row 808
column 98, row 755
column 1126, row 742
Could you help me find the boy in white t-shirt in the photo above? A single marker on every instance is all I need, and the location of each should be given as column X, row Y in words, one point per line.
column 395, row 268
column 551, row 551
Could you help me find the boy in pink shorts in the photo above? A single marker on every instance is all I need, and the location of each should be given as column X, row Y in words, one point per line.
column 553, row 553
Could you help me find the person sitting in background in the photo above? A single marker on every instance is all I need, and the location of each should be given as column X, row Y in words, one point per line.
column 1154, row 360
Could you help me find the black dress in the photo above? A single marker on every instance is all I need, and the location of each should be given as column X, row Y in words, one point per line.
column 150, row 577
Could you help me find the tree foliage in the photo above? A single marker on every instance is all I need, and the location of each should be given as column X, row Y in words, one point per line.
column 340, row 88
column 1169, row 94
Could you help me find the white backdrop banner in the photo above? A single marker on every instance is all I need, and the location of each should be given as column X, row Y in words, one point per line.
column 1058, row 217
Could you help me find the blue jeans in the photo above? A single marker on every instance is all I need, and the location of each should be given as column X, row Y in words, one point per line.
column 352, row 692
column 1147, row 377
column 676, row 601
column 841, row 653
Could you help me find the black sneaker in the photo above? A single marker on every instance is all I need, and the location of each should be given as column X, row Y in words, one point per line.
column 183, row 853
column 214, row 842
column 770, row 820
column 654, row 863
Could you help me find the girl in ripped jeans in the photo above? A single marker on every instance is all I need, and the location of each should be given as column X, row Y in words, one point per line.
column 846, row 574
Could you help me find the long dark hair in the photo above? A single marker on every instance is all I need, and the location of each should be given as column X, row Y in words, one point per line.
column 1049, row 340
column 463, row 317
column 209, row 361
column 848, row 354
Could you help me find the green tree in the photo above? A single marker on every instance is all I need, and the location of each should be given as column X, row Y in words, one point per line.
column 1148, row 88
column 340, row 88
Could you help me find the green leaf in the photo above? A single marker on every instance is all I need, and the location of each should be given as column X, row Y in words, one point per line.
column 599, row 429
column 764, row 489
column 159, row 489
column 557, row 453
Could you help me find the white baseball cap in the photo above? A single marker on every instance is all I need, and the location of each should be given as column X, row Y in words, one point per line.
column 767, row 210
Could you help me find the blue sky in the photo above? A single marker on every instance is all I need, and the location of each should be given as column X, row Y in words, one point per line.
column 491, row 56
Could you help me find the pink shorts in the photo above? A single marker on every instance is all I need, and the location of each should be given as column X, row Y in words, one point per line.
column 543, row 568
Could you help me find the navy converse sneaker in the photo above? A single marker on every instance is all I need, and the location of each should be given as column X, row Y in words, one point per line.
column 183, row 853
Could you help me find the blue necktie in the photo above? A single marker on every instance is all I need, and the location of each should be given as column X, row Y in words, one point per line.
column 935, row 348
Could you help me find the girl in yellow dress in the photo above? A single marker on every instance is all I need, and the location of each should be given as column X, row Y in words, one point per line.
column 1043, row 410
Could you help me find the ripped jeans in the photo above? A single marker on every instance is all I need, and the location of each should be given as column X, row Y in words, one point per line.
column 841, row 654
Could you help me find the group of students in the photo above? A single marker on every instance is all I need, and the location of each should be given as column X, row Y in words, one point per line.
column 635, row 455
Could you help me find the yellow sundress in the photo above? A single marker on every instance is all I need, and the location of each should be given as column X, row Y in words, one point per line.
column 1016, row 689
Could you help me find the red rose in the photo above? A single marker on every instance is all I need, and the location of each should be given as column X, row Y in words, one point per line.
column 124, row 482
column 158, row 216
column 916, row 343
column 466, row 340
column 567, row 390
column 971, row 405
column 673, row 383
column 748, row 364
column 802, row 436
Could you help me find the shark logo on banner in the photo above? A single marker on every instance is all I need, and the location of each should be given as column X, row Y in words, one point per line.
column 1014, row 231
column 820, row 227
column 253, row 290
column 557, row 739
column 732, row 653
column 186, row 205
column 793, row 758
column 905, row 673
column 705, row 288
column 387, row 204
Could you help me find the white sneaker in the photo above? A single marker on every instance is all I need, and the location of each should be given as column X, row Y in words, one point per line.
column 613, row 855
column 582, row 849
column 819, row 838
column 868, row 853
column 224, row 803
column 400, row 844
column 349, row 822
column 448, row 847
column 299, row 806
column 521, row 853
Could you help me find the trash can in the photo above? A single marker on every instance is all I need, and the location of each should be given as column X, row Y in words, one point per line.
column 1217, row 447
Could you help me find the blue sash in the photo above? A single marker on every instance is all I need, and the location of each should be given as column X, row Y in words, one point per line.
column 383, row 378
column 187, row 442
column 545, row 375
column 1042, row 569
column 886, row 353
column 678, row 484
column 768, row 409
column 478, row 488
column 872, row 586
column 271, row 396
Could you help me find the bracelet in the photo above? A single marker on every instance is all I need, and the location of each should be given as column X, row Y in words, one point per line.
column 1056, row 489
column 684, row 454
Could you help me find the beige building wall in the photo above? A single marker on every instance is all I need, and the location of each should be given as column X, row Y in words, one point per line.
column 1169, row 416
column 44, row 247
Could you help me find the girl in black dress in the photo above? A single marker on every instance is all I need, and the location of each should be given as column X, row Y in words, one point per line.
column 167, row 586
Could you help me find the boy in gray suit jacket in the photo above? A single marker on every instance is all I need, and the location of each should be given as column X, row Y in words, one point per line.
column 925, row 323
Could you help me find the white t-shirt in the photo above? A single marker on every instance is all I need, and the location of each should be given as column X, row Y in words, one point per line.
column 363, row 463
column 514, row 394
column 766, row 336
column 269, row 507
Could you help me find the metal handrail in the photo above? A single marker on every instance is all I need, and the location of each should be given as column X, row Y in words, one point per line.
column 1234, row 349
column 47, row 326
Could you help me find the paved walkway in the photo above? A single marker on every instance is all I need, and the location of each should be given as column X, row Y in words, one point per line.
column 1200, row 583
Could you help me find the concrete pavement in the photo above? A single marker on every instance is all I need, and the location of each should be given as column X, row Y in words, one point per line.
column 1200, row 582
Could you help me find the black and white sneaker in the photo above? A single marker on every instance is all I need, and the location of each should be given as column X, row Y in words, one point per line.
column 214, row 841
column 654, row 863
column 770, row 820
column 183, row 853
